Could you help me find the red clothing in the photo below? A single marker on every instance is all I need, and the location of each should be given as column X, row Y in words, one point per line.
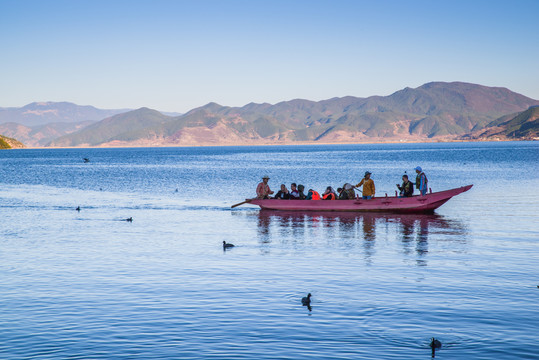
column 263, row 190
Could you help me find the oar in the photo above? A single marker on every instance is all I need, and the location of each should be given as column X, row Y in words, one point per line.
column 241, row 203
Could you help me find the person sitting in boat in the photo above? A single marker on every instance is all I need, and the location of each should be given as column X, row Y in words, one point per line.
column 312, row 195
column 346, row 192
column 301, row 188
column 368, row 186
column 283, row 194
column 294, row 193
column 407, row 188
column 349, row 189
column 329, row 194
column 263, row 190
column 421, row 181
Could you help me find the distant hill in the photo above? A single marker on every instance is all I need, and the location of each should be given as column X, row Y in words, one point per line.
column 434, row 111
column 126, row 127
column 523, row 125
column 9, row 143
column 41, row 113
column 40, row 135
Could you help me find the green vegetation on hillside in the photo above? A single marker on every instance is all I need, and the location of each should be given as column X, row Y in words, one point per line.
column 9, row 143
column 524, row 125
column 4, row 144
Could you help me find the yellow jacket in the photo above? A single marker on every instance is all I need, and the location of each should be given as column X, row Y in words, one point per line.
column 368, row 187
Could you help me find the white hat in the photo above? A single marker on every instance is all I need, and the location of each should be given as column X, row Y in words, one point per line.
column 265, row 177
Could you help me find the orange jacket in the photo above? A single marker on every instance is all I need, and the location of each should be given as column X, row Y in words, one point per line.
column 330, row 196
column 314, row 195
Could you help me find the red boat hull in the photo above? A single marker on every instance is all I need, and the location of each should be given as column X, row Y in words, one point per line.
column 415, row 204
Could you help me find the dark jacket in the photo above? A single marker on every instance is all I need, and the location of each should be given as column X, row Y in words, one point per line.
column 300, row 190
column 343, row 195
column 407, row 189
column 282, row 195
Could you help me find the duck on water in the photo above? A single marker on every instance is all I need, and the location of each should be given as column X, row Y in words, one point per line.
column 227, row 245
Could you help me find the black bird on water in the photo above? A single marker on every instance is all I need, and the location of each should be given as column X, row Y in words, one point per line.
column 86, row 160
column 435, row 344
column 306, row 301
column 130, row 219
column 227, row 246
column 78, row 208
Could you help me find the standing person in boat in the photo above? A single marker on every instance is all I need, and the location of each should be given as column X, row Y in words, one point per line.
column 329, row 194
column 263, row 190
column 407, row 188
column 312, row 195
column 283, row 194
column 294, row 193
column 421, row 181
column 368, row 186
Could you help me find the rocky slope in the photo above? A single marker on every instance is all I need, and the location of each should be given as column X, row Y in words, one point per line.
column 520, row 126
column 434, row 111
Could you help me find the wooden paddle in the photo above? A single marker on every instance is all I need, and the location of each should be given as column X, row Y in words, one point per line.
column 243, row 202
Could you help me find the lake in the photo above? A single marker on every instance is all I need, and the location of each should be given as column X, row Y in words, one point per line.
column 90, row 285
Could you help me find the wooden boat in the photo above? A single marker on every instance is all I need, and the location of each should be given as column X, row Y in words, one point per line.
column 415, row 204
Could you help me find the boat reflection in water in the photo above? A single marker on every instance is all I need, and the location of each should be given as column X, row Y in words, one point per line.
column 342, row 230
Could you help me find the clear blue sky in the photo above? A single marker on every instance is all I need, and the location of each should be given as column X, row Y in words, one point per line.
column 177, row 55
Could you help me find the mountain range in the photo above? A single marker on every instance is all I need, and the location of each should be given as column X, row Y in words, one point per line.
column 41, row 113
column 436, row 111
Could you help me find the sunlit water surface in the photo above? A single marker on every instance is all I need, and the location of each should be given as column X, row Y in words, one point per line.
column 90, row 285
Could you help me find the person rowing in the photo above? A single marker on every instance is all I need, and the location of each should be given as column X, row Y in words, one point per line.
column 263, row 190
column 368, row 186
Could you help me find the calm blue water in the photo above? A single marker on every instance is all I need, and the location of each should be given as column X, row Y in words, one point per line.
column 89, row 285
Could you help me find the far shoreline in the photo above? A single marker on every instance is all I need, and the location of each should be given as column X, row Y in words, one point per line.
column 297, row 143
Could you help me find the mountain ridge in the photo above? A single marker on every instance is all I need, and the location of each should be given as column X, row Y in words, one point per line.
column 435, row 111
column 41, row 113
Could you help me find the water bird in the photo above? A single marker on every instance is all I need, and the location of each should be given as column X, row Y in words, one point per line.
column 129, row 219
column 306, row 300
column 227, row 245
column 435, row 344
column 78, row 208
column 86, row 160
